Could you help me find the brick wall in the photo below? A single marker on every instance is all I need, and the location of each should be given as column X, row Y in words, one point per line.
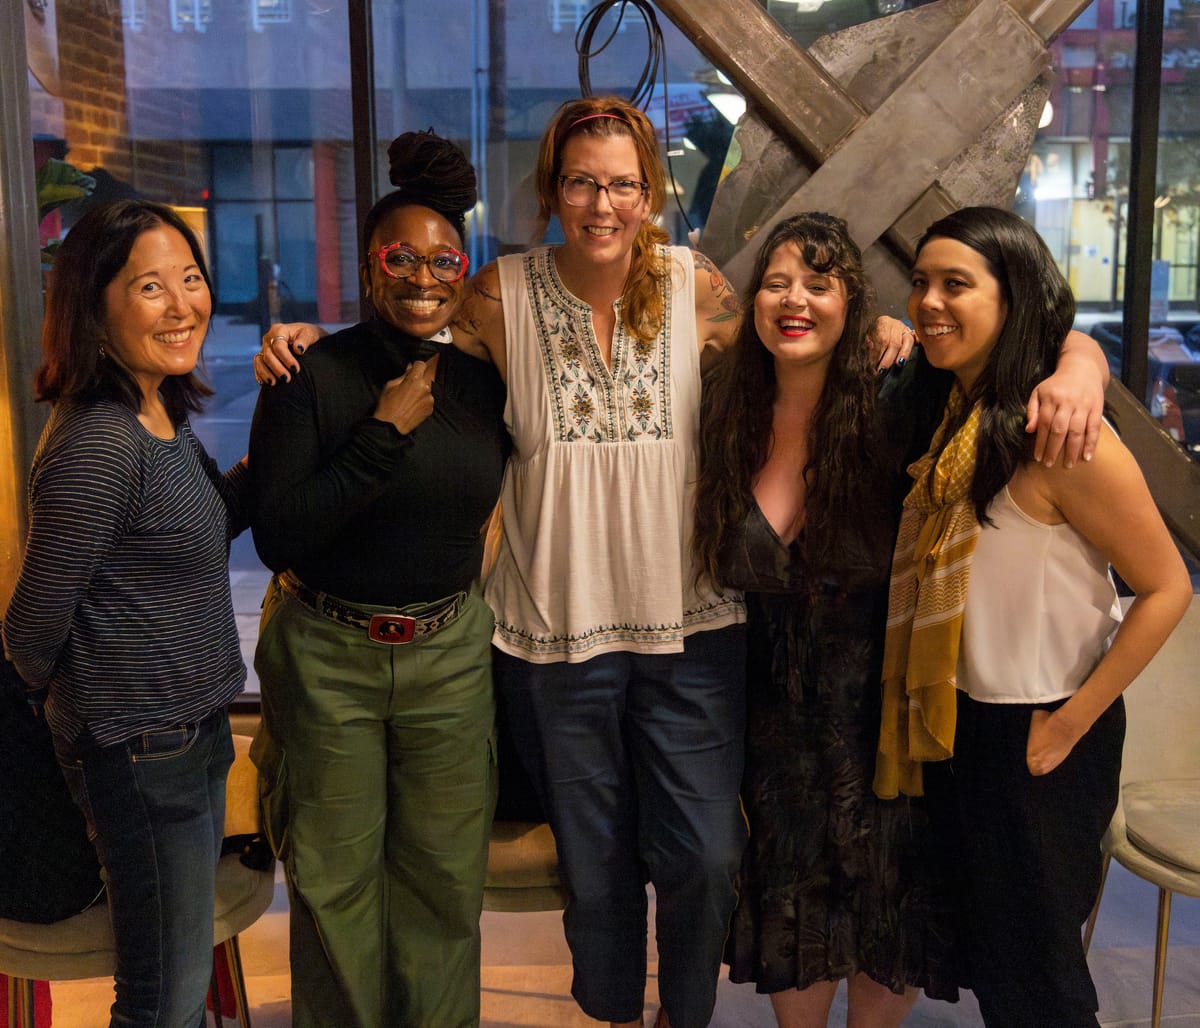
column 91, row 54
column 91, row 114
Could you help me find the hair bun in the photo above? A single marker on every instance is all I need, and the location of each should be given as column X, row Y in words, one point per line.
column 433, row 172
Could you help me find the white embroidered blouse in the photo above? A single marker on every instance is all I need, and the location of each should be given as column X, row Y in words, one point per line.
column 597, row 501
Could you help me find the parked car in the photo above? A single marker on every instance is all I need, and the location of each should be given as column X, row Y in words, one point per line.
column 1173, row 373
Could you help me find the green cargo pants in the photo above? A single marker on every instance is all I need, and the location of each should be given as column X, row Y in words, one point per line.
column 379, row 786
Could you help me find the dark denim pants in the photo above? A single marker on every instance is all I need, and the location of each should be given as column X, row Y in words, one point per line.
column 155, row 808
column 638, row 760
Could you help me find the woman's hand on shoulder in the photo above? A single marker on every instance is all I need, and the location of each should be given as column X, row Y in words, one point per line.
column 478, row 327
column 1067, row 409
column 280, row 345
column 891, row 341
column 718, row 311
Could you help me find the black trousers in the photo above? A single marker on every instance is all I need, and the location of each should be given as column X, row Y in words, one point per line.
column 1025, row 858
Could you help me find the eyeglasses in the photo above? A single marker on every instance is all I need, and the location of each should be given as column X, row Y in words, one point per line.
column 624, row 194
column 399, row 260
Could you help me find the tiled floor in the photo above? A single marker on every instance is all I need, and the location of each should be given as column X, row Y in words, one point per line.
column 526, row 973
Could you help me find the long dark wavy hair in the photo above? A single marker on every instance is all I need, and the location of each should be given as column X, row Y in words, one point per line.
column 606, row 117
column 1041, row 310
column 739, row 397
column 74, row 330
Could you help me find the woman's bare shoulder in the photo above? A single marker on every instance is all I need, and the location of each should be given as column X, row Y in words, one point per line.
column 478, row 327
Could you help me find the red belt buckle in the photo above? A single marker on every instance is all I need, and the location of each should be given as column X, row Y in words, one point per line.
column 392, row 628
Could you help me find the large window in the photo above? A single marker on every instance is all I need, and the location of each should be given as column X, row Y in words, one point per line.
column 1174, row 357
column 239, row 112
column 468, row 70
column 1077, row 188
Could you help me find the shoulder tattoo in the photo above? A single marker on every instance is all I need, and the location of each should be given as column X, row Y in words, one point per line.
column 479, row 290
column 465, row 323
column 730, row 308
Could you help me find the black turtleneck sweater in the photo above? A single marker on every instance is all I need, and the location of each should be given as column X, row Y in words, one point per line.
column 358, row 509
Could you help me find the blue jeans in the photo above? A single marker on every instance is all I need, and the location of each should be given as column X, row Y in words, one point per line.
column 155, row 810
column 638, row 761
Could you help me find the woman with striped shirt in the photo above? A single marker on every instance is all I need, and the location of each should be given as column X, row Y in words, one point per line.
column 122, row 611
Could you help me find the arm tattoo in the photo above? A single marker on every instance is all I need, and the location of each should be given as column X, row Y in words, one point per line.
column 480, row 291
column 468, row 325
column 730, row 309
column 716, row 281
column 470, row 316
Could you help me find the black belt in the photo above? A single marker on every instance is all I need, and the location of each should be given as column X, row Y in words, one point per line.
column 393, row 627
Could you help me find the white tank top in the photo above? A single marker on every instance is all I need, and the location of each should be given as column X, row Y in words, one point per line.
column 1041, row 609
column 595, row 552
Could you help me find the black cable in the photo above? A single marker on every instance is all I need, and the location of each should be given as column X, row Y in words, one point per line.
column 656, row 57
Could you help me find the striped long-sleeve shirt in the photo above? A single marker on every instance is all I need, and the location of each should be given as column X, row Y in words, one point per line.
column 122, row 607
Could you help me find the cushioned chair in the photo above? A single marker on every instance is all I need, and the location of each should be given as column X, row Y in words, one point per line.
column 522, row 871
column 522, row 868
column 1155, row 832
column 82, row 946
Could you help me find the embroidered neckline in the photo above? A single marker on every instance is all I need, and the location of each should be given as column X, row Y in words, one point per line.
column 563, row 294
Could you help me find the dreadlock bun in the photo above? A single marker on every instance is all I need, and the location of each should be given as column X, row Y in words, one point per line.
column 433, row 172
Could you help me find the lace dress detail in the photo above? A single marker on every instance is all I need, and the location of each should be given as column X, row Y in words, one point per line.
column 834, row 881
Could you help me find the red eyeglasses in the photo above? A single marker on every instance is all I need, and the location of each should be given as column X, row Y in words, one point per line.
column 399, row 260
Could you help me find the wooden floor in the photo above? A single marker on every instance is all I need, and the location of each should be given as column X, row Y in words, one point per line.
column 527, row 974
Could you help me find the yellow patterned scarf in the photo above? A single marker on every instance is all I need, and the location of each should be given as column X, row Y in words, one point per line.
column 930, row 570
